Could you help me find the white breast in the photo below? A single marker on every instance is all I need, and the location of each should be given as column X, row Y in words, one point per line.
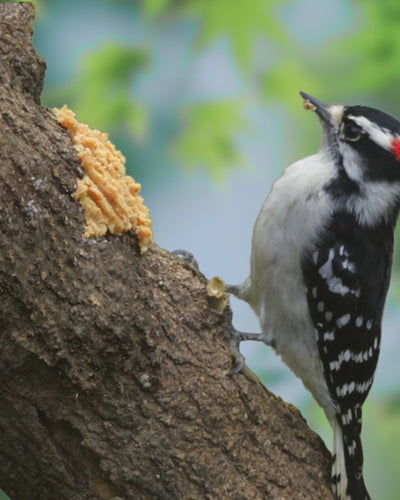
column 292, row 215
column 289, row 221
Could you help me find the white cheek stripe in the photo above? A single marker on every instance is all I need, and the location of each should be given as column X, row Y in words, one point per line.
column 381, row 136
column 336, row 111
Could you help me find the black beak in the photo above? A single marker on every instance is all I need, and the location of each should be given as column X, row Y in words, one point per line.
column 316, row 105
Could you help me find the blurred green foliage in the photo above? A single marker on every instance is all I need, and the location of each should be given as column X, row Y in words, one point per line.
column 360, row 65
column 241, row 25
column 104, row 78
column 210, row 132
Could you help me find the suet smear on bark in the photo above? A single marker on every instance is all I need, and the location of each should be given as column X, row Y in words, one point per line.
column 109, row 197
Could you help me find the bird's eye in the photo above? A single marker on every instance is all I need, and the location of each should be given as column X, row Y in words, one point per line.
column 352, row 132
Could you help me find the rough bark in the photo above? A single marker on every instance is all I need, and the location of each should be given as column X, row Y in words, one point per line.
column 113, row 364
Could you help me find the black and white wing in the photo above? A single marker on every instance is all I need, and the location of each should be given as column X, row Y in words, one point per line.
column 347, row 275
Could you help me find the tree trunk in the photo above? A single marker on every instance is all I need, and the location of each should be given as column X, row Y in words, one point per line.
column 114, row 364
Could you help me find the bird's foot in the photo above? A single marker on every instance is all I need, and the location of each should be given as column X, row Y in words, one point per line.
column 186, row 257
column 236, row 338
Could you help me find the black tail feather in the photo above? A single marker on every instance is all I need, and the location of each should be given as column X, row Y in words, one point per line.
column 347, row 469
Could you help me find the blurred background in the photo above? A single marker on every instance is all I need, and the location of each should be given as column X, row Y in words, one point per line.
column 202, row 98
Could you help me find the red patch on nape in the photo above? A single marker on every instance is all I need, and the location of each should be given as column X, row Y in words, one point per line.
column 396, row 147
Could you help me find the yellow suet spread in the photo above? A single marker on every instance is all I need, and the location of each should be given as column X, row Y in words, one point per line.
column 109, row 197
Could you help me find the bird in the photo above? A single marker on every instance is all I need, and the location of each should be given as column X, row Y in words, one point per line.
column 320, row 268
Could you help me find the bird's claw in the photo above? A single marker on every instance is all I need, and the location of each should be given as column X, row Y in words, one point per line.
column 235, row 351
column 186, row 257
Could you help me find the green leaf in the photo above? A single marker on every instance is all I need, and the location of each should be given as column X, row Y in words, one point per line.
column 368, row 57
column 209, row 140
column 154, row 8
column 287, row 78
column 101, row 96
column 241, row 22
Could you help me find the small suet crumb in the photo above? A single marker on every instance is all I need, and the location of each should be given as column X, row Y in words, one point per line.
column 109, row 197
column 216, row 287
column 217, row 293
column 308, row 106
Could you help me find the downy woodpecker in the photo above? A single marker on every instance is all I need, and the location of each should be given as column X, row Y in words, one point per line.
column 320, row 269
